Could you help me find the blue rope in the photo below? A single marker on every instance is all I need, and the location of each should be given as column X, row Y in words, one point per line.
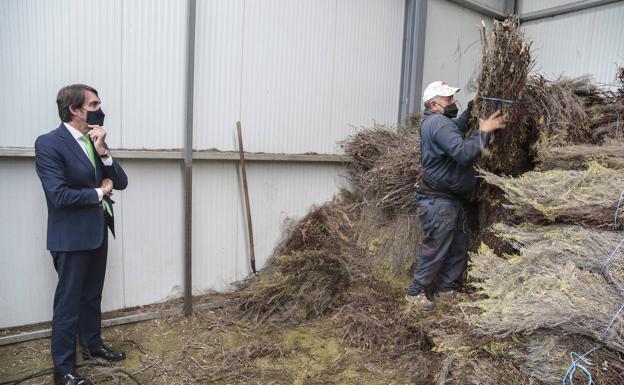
column 575, row 365
column 498, row 99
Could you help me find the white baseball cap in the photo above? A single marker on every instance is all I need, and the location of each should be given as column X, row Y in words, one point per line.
column 439, row 88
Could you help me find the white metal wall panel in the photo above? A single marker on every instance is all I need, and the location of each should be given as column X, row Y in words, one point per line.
column 153, row 243
column 525, row 6
column 367, row 66
column 452, row 52
column 281, row 190
column 27, row 276
column 219, row 240
column 499, row 5
column 44, row 47
column 277, row 191
column 590, row 41
column 218, row 55
column 154, row 59
column 288, row 54
column 297, row 74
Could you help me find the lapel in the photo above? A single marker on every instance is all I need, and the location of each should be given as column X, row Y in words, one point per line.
column 74, row 147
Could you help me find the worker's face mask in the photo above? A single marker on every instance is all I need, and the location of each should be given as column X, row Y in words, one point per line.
column 451, row 111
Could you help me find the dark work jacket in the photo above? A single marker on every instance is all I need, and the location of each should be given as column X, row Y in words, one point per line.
column 76, row 219
column 447, row 157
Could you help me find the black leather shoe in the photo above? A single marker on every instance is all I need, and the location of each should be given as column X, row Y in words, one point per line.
column 105, row 352
column 70, row 379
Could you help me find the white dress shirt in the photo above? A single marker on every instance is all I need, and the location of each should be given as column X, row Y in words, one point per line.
column 108, row 161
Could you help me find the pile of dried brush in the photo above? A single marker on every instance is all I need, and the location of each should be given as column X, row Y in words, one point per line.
column 505, row 65
column 570, row 111
column 374, row 320
column 366, row 146
column 588, row 197
column 544, row 356
column 560, row 296
column 295, row 287
column 308, row 271
column 386, row 166
column 326, row 227
column 391, row 243
column 578, row 157
column 555, row 109
column 537, row 247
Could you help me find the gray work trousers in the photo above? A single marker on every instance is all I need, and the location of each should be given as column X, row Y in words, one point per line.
column 444, row 246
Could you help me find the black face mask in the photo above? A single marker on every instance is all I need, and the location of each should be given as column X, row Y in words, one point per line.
column 451, row 111
column 96, row 117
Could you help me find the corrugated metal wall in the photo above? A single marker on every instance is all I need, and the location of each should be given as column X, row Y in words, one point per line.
column 297, row 74
column 590, row 41
column 526, row 6
column 453, row 46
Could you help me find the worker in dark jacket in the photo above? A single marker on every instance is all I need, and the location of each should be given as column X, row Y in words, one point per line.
column 448, row 179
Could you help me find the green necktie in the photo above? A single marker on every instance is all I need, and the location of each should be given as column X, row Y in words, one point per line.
column 91, row 155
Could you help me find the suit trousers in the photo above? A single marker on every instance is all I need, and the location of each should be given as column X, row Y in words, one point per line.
column 444, row 246
column 77, row 300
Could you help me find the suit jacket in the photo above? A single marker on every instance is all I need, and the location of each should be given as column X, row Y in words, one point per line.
column 75, row 215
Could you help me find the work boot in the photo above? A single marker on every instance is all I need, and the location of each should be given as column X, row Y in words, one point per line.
column 420, row 301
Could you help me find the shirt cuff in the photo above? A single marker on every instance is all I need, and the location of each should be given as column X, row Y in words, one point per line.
column 100, row 194
column 108, row 161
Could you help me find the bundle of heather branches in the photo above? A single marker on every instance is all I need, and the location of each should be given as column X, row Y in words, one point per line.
column 588, row 197
column 545, row 356
column 391, row 243
column 296, row 286
column 366, row 146
column 386, row 167
column 578, row 157
column 573, row 111
column 394, row 178
column 505, row 64
column 326, row 227
column 547, row 246
column 607, row 120
column 557, row 111
column 585, row 88
column 560, row 297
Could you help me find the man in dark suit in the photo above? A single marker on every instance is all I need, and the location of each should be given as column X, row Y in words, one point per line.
column 78, row 175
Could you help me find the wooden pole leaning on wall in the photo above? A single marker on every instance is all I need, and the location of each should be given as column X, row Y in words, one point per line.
column 241, row 151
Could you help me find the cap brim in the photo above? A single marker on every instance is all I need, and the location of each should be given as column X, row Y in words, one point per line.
column 449, row 91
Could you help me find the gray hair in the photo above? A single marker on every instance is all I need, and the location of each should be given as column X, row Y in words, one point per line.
column 428, row 102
